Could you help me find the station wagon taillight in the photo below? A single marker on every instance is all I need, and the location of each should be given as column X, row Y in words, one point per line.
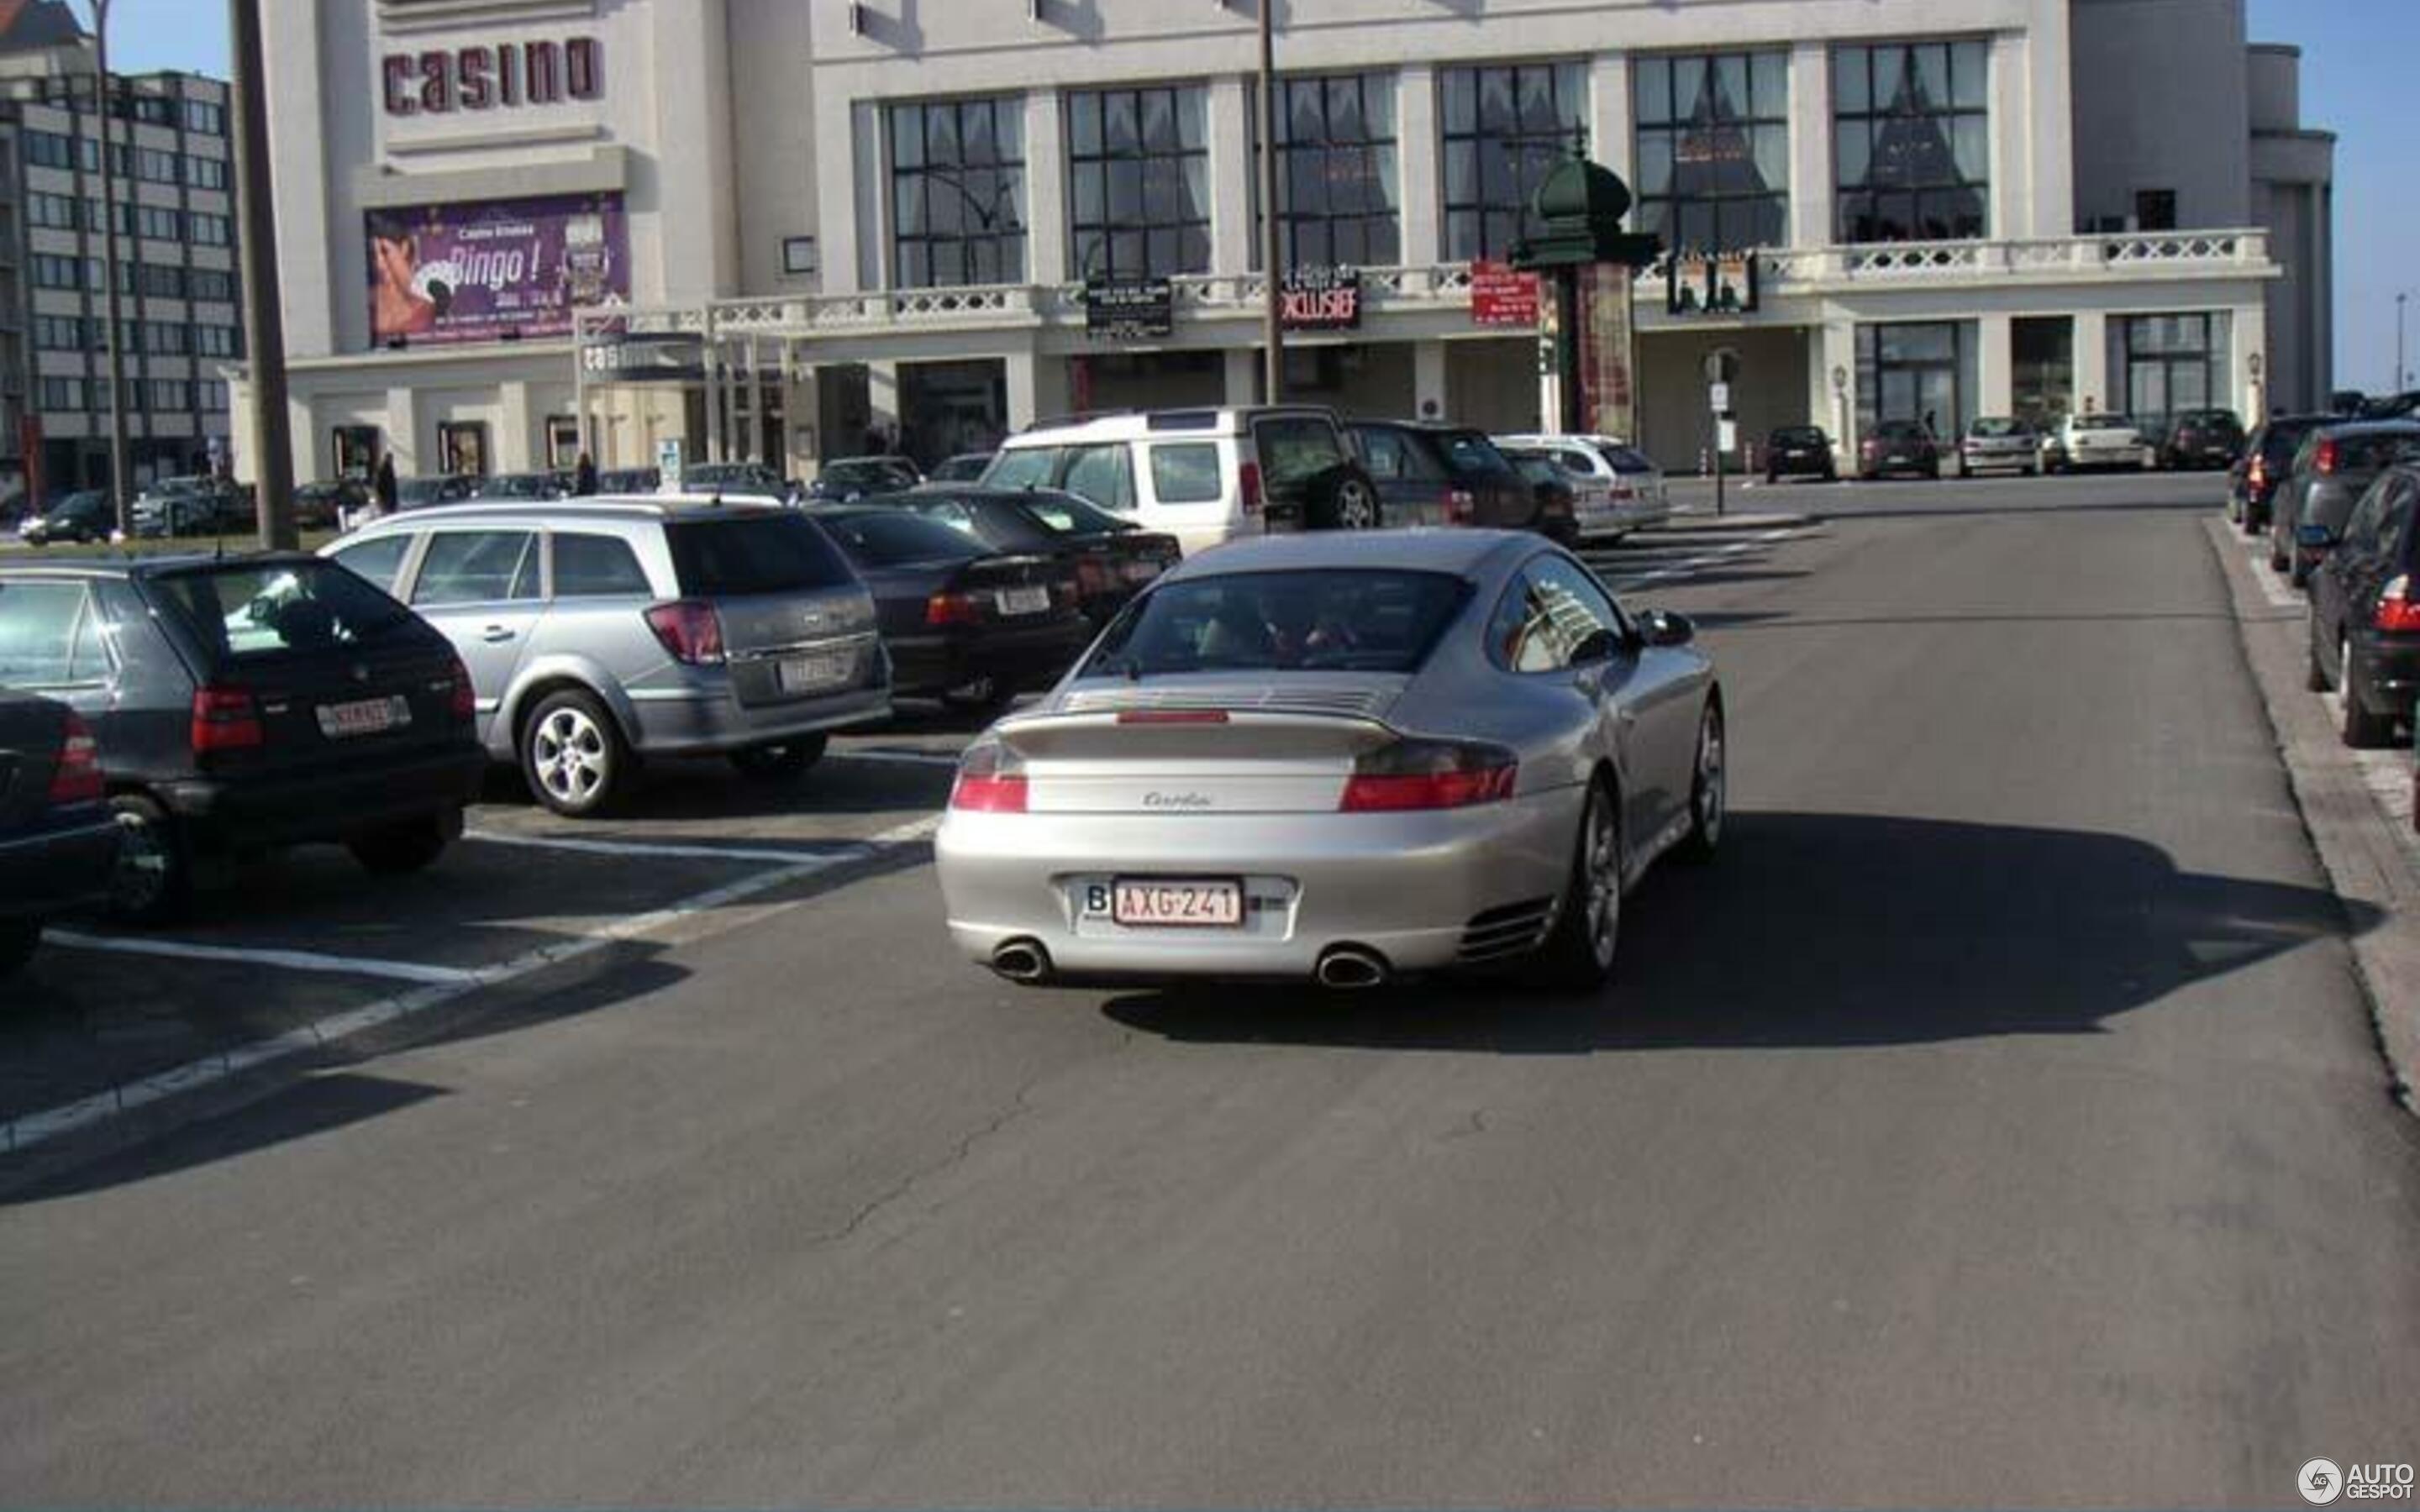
column 2397, row 611
column 1430, row 774
column 2324, row 457
column 226, row 718
column 77, row 778
column 690, row 630
column 990, row 779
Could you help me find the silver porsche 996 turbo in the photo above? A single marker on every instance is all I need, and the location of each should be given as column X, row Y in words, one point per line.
column 1344, row 758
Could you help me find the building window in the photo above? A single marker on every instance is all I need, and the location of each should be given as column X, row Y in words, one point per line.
column 162, row 338
column 462, row 448
column 214, row 341
column 61, row 395
column 171, row 394
column 209, row 230
column 2163, row 363
column 958, row 192
column 1338, row 197
column 154, row 166
column 52, row 271
column 161, row 224
column 1505, row 128
column 2042, row 364
column 2155, row 210
column 1911, row 141
column 214, row 397
column 65, row 334
column 57, row 211
column 1139, row 175
column 49, row 149
column 206, row 116
column 1922, row 371
column 1713, row 149
column 206, row 173
column 162, row 280
column 213, row 283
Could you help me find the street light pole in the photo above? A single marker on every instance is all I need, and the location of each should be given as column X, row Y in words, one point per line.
column 264, row 319
column 2402, row 373
column 121, row 468
column 1273, row 307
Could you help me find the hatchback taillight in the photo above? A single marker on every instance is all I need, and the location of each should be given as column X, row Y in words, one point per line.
column 462, row 700
column 2396, row 610
column 2257, row 476
column 77, row 778
column 2323, row 459
column 991, row 780
column 690, row 631
column 1430, row 774
column 226, row 718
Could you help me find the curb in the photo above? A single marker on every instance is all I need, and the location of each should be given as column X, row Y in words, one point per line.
column 1696, row 523
column 2369, row 857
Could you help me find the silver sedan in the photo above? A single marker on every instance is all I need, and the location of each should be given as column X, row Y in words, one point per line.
column 1342, row 758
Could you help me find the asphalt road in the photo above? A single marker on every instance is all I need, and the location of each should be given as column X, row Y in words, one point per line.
column 1997, row 1121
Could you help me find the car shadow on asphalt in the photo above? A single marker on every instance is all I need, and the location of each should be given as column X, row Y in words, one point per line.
column 1831, row 930
column 844, row 783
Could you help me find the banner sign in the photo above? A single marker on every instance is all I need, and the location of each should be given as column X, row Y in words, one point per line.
column 1722, row 283
column 651, row 358
column 1609, row 397
column 1320, row 299
column 1139, row 309
column 1499, row 296
column 510, row 270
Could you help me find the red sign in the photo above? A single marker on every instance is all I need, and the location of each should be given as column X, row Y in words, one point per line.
column 505, row 75
column 1501, row 296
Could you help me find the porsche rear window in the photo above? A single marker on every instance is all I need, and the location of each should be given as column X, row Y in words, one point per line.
column 1322, row 620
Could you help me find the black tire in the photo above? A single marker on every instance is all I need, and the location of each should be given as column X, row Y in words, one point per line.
column 572, row 755
column 154, row 881
column 2278, row 559
column 1709, row 786
column 1352, row 504
column 18, row 938
column 1579, row 955
column 399, row 850
column 2360, row 729
column 784, row 762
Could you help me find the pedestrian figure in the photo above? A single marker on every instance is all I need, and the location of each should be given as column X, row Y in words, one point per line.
column 382, row 485
column 583, row 476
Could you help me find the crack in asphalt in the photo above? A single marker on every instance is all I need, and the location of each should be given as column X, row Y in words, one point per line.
column 1019, row 1106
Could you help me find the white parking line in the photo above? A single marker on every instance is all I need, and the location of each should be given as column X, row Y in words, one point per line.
column 343, row 965
column 1696, row 564
column 650, row 849
column 51, row 1124
column 893, row 753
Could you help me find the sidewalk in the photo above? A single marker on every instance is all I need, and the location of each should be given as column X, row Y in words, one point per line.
column 2356, row 806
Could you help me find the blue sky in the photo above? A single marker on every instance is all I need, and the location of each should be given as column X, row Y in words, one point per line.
column 2356, row 77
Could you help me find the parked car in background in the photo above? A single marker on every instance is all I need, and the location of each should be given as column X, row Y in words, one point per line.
column 1400, row 755
column 1799, row 452
column 198, row 505
column 1204, row 476
column 88, row 514
column 1899, row 447
column 330, row 504
column 2201, row 438
column 1619, row 488
column 433, row 492
column 1434, row 474
column 966, row 466
column 1110, row 558
column 2268, row 457
column 964, row 623
column 630, row 481
column 518, row 487
column 1558, row 495
column 2365, row 624
column 2333, row 467
column 1999, row 444
column 753, row 480
column 2100, row 441
column 246, row 703
column 850, row 478
column 601, row 631
column 58, row 842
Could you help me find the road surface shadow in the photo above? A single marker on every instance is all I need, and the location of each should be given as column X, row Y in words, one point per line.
column 1831, row 930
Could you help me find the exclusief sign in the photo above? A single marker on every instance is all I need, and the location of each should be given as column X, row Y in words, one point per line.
column 493, row 76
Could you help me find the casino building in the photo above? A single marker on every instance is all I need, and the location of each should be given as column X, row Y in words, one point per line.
column 791, row 229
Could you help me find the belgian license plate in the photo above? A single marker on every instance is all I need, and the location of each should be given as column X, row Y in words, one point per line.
column 1154, row 903
column 814, row 674
column 366, row 716
column 1023, row 600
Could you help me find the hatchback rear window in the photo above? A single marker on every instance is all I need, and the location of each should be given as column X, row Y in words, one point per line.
column 1342, row 620
column 2362, row 453
column 245, row 611
column 757, row 554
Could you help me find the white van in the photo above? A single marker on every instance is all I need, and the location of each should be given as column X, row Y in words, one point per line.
column 1204, row 476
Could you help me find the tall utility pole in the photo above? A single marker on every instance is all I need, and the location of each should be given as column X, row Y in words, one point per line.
column 264, row 321
column 2402, row 373
column 121, row 468
column 1273, row 308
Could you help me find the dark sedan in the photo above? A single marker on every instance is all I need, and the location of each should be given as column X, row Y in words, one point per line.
column 245, row 705
column 2365, row 610
column 58, row 844
column 2330, row 471
column 1899, row 447
column 2267, row 456
column 1112, row 558
column 852, row 478
column 326, row 506
column 2201, row 438
column 1799, row 452
column 87, row 516
column 963, row 622
column 1434, row 474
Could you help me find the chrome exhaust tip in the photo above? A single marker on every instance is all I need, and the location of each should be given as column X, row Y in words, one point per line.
column 1352, row 968
column 1024, row 962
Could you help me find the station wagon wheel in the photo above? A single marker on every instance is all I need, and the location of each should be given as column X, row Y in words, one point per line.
column 153, row 880
column 1709, row 787
column 1579, row 955
column 573, row 756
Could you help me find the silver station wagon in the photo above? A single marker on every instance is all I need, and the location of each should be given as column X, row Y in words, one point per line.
column 599, row 631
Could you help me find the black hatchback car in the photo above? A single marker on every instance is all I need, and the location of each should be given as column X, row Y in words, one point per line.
column 248, row 703
column 58, row 848
column 963, row 622
column 2268, row 455
column 1799, row 452
column 1434, row 474
column 2365, row 610
column 2201, row 438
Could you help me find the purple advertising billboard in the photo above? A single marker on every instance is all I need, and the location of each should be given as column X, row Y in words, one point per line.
column 494, row 270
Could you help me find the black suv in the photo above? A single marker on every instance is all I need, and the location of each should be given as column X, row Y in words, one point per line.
column 2365, row 610
column 247, row 703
